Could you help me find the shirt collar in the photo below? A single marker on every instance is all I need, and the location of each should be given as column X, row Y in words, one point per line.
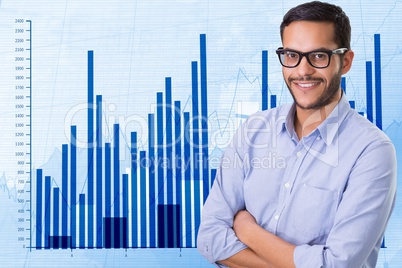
column 328, row 129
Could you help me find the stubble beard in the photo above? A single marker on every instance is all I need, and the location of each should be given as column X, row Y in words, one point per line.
column 326, row 97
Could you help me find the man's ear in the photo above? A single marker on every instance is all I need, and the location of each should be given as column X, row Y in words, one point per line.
column 347, row 61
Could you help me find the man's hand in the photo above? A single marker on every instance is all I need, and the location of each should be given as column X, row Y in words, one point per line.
column 270, row 248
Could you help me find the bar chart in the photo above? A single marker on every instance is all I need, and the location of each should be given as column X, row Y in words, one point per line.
column 157, row 204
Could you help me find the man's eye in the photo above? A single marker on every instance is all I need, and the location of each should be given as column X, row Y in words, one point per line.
column 290, row 54
column 319, row 55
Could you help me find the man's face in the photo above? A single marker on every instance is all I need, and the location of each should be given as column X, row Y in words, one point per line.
column 310, row 87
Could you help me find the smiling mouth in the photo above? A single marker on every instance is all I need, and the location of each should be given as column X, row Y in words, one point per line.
column 307, row 85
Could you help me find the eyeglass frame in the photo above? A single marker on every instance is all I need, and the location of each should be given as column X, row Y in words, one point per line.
column 338, row 51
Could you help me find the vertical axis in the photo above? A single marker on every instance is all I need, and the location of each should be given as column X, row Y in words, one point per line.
column 30, row 134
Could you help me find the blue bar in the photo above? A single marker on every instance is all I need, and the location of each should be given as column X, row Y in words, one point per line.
column 273, row 101
column 73, row 194
column 90, row 148
column 116, row 171
column 213, row 175
column 187, row 179
column 151, row 172
column 47, row 210
column 195, row 147
column 64, row 179
column 264, row 86
column 352, row 104
column 204, row 127
column 343, row 84
column 108, row 181
column 39, row 197
column 82, row 220
column 55, row 215
column 169, row 145
column 143, row 201
column 369, row 90
column 99, row 196
column 134, row 191
column 178, row 157
column 123, row 229
column 160, row 150
column 107, row 235
column 377, row 65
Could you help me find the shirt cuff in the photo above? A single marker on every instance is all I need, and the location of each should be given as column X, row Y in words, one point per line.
column 306, row 256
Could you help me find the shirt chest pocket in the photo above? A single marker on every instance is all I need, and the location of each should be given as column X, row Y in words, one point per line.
column 310, row 214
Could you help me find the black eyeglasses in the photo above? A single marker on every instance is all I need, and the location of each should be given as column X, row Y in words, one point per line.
column 319, row 58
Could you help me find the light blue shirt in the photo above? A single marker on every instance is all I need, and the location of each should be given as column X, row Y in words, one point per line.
column 331, row 193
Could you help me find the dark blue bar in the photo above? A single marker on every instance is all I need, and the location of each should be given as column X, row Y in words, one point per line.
column 60, row 241
column 39, row 197
column 160, row 148
column 169, row 144
column 264, row 86
column 187, row 179
column 99, row 183
column 56, row 215
column 352, row 104
column 273, row 101
column 178, row 157
column 73, row 194
column 196, row 147
column 47, row 210
column 82, row 220
column 213, row 175
column 107, row 235
column 116, row 171
column 115, row 232
column 64, row 190
column 117, row 237
column 108, row 180
column 369, row 90
column 151, row 172
column 143, row 201
column 123, row 231
column 134, row 191
column 377, row 64
column 204, row 127
column 169, row 228
column 343, row 84
column 90, row 148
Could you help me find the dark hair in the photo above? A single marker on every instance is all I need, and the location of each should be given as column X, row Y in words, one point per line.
column 317, row 11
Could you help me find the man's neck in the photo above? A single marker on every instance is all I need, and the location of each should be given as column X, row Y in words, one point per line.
column 307, row 120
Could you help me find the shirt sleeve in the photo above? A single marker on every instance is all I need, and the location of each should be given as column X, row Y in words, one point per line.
column 362, row 215
column 216, row 238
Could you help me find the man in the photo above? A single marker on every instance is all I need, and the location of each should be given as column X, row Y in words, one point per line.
column 307, row 185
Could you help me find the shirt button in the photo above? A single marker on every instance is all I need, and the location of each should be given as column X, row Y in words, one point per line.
column 318, row 138
column 276, row 217
column 287, row 185
column 298, row 154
